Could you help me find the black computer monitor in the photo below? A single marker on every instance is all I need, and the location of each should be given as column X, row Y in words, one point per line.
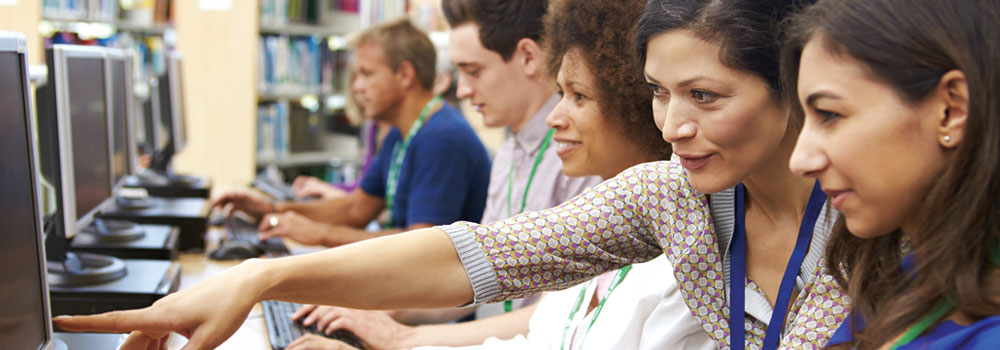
column 124, row 159
column 170, row 135
column 74, row 125
column 24, row 306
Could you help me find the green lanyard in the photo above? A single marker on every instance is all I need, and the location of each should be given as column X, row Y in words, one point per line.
column 938, row 311
column 508, row 305
column 534, row 168
column 597, row 311
column 398, row 154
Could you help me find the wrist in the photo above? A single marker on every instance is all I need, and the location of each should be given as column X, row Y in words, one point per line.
column 254, row 273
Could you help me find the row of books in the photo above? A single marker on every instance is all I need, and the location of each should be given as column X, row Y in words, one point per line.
column 378, row 11
column 300, row 65
column 281, row 12
column 137, row 11
column 102, row 10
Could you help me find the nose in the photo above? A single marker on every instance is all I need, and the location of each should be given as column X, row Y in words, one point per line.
column 357, row 86
column 464, row 89
column 808, row 158
column 675, row 125
column 558, row 118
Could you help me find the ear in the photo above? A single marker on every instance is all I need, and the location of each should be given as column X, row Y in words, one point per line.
column 529, row 54
column 406, row 74
column 953, row 92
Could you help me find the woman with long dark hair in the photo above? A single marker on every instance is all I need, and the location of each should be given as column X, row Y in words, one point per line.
column 902, row 129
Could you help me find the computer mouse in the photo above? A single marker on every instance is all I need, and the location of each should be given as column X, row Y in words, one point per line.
column 231, row 250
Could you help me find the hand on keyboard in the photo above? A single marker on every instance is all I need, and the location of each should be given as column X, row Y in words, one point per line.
column 294, row 226
column 377, row 328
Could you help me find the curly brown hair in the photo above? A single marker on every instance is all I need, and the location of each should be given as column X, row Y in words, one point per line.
column 602, row 31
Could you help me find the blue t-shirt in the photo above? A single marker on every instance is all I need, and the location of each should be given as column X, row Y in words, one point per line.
column 984, row 334
column 444, row 176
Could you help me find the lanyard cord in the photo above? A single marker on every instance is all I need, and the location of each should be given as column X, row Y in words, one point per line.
column 940, row 308
column 398, row 154
column 737, row 271
column 597, row 311
column 508, row 305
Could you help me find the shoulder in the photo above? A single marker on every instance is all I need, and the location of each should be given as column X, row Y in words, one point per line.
column 662, row 176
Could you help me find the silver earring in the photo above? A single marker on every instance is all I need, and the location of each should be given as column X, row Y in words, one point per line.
column 947, row 138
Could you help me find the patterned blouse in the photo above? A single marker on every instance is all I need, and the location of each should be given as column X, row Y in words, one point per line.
column 645, row 211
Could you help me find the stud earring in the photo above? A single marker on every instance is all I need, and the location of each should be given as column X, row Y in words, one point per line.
column 947, row 139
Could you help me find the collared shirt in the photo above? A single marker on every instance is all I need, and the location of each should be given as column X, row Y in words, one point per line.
column 550, row 186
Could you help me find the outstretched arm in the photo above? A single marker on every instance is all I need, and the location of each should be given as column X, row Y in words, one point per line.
column 418, row 269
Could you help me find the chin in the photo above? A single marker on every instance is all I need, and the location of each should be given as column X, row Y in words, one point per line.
column 571, row 170
column 710, row 183
column 865, row 229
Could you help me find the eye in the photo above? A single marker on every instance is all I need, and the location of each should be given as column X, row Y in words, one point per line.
column 561, row 93
column 656, row 89
column 702, row 96
column 579, row 97
column 826, row 115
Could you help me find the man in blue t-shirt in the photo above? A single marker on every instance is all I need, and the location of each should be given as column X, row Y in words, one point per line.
column 431, row 170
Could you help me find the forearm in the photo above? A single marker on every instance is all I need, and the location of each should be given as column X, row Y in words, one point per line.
column 336, row 236
column 425, row 316
column 504, row 326
column 417, row 269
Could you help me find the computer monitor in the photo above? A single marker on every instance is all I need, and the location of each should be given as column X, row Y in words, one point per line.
column 170, row 133
column 74, row 124
column 24, row 298
column 125, row 159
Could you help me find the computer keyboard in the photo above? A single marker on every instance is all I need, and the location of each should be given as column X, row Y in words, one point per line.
column 282, row 330
column 238, row 229
column 280, row 191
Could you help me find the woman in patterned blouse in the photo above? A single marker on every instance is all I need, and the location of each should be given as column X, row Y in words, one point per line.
column 713, row 69
column 902, row 101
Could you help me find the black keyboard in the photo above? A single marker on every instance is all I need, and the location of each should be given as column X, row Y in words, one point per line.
column 280, row 191
column 238, row 229
column 282, row 330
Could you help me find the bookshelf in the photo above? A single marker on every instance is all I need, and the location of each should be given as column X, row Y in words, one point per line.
column 302, row 126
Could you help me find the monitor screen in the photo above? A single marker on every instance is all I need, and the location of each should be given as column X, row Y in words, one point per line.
column 89, row 130
column 23, row 313
column 120, row 156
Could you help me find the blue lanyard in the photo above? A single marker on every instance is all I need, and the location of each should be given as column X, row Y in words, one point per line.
column 737, row 271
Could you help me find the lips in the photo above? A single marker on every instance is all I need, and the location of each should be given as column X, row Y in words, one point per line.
column 837, row 197
column 565, row 146
column 693, row 161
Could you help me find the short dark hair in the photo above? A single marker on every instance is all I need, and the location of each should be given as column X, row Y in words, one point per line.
column 748, row 31
column 502, row 23
column 401, row 41
column 594, row 28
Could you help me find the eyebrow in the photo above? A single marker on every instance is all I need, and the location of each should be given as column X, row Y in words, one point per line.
column 651, row 79
column 811, row 100
column 692, row 80
column 466, row 65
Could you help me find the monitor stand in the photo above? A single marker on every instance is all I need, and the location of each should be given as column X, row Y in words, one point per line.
column 85, row 268
column 115, row 231
column 185, row 213
column 167, row 184
column 159, row 242
column 134, row 198
column 146, row 282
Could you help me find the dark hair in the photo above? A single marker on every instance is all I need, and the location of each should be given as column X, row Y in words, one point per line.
column 502, row 23
column 402, row 42
column 748, row 31
column 594, row 27
column 909, row 45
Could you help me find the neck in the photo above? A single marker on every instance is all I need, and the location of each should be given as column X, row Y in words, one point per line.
column 409, row 109
column 774, row 190
column 626, row 160
column 535, row 96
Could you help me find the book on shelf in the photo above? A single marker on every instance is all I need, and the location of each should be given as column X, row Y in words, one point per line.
column 272, row 130
column 157, row 11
